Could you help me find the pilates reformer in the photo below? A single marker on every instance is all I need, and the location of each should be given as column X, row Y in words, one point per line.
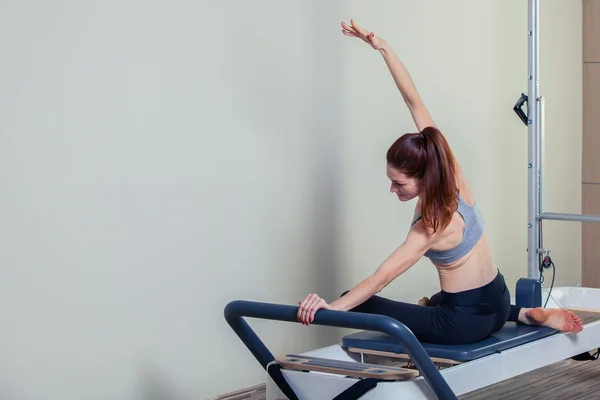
column 384, row 360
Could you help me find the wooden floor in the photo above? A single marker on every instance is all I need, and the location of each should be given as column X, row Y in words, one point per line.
column 570, row 379
column 258, row 392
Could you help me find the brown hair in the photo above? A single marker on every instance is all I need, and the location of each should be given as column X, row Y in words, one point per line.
column 427, row 157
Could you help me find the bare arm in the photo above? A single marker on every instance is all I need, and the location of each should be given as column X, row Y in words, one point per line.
column 412, row 98
column 417, row 242
column 407, row 88
column 399, row 72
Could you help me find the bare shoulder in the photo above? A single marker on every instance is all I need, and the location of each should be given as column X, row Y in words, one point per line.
column 421, row 238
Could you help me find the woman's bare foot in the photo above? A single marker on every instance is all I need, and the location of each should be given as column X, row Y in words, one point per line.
column 555, row 318
column 424, row 301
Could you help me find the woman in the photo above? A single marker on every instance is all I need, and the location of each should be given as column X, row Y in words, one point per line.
column 474, row 300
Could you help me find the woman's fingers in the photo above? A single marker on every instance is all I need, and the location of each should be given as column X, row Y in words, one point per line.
column 302, row 310
column 316, row 307
column 351, row 31
column 314, row 302
column 304, row 307
column 308, row 307
column 347, row 27
column 358, row 29
column 354, row 30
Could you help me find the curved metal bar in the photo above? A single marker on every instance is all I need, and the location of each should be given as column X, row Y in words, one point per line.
column 236, row 310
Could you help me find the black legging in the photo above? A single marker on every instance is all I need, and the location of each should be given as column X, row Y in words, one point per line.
column 451, row 318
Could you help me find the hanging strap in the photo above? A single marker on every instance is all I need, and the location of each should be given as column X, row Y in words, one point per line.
column 354, row 392
column 358, row 389
column 274, row 371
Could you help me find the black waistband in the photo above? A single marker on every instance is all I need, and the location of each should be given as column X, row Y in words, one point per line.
column 487, row 296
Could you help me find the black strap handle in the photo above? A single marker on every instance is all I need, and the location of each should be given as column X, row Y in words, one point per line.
column 356, row 391
column 518, row 108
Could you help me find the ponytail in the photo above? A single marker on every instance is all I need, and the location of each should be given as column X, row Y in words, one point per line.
column 439, row 183
column 427, row 157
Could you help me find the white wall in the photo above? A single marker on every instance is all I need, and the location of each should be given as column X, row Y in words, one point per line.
column 163, row 158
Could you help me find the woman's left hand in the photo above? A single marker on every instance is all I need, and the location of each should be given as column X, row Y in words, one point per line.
column 309, row 306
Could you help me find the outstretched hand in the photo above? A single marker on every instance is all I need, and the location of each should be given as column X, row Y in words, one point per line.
column 309, row 306
column 369, row 37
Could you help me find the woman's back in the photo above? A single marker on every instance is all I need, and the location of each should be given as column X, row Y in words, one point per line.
column 461, row 264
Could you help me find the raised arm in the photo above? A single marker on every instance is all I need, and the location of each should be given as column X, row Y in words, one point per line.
column 404, row 83
column 402, row 78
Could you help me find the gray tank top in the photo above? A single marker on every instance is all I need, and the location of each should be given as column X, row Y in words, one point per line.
column 473, row 231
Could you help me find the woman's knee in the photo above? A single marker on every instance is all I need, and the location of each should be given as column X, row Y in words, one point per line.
column 435, row 300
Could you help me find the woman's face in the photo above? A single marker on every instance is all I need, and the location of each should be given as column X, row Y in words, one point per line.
column 404, row 187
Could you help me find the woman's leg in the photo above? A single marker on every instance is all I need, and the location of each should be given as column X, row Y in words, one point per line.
column 432, row 324
column 513, row 315
column 422, row 321
column 433, row 301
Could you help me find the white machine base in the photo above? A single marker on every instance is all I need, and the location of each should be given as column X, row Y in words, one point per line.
column 463, row 378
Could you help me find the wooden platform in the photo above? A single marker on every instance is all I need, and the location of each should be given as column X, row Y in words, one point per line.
column 587, row 315
column 345, row 368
